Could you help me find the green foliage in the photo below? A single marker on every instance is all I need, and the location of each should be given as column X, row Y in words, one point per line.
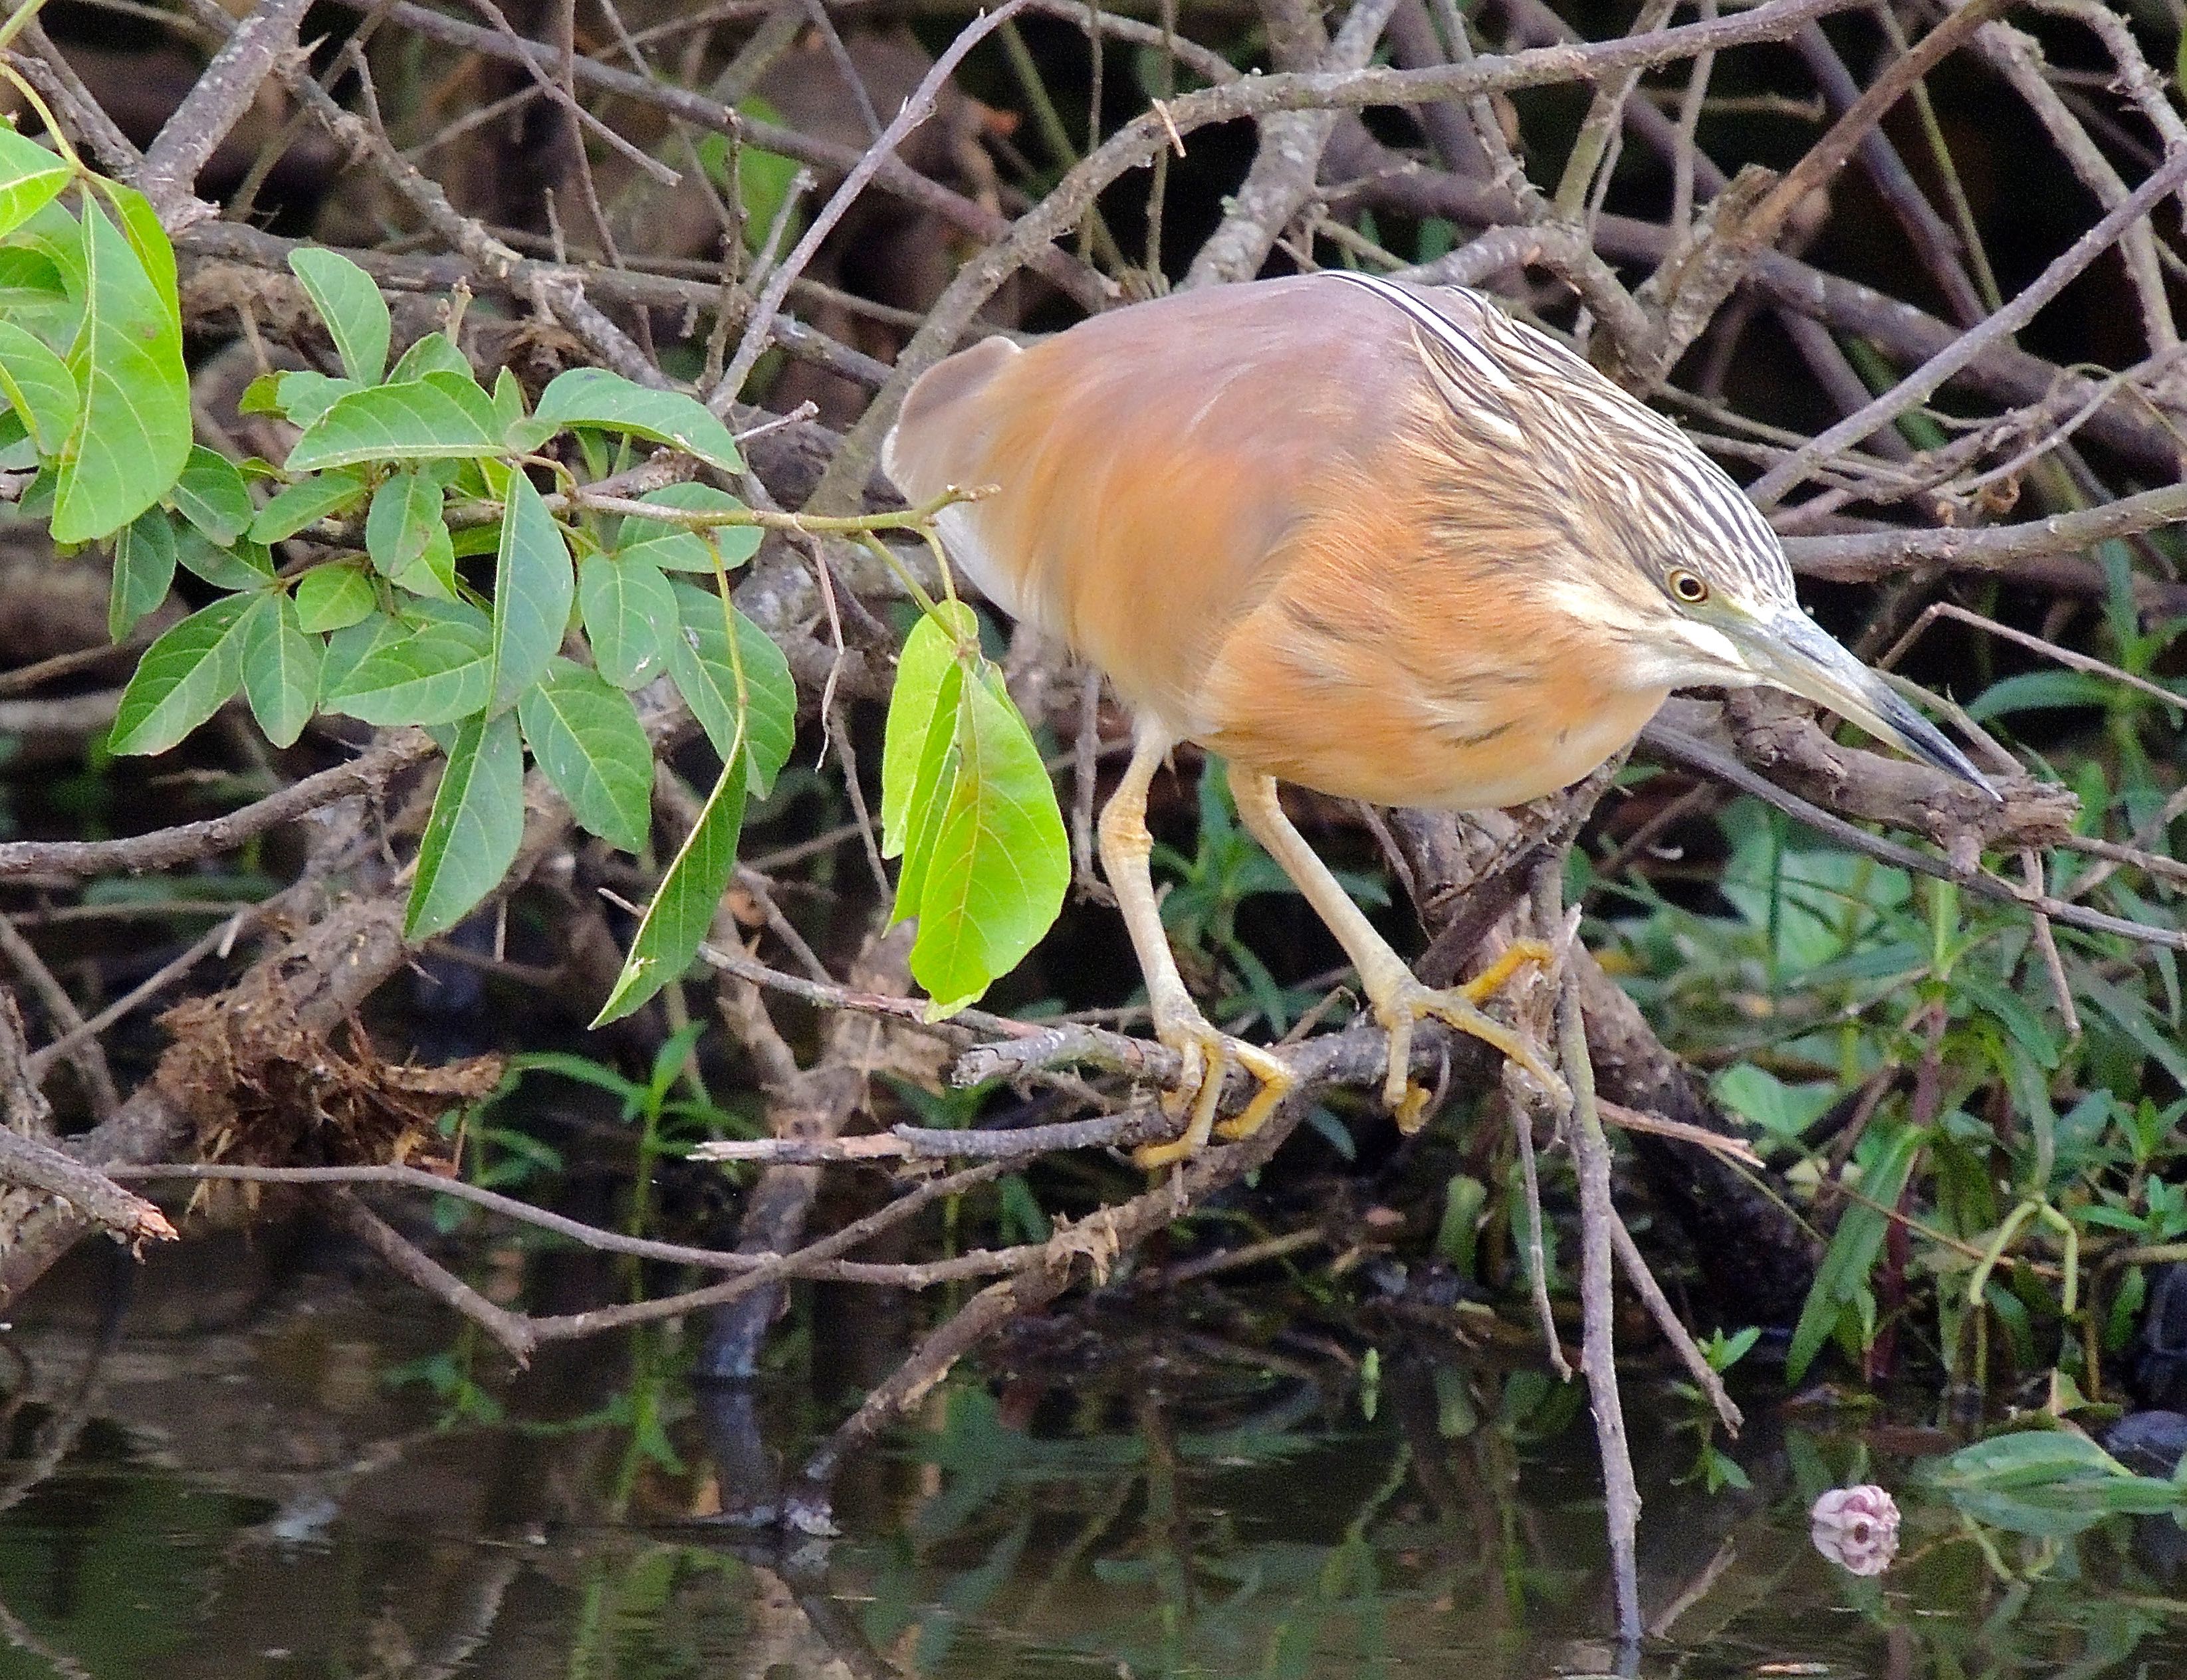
column 585, row 734
column 2051, row 1483
column 388, row 629
column 351, row 306
column 1840, row 1286
column 968, row 804
column 132, row 432
column 2030, row 1173
column 476, row 824
column 91, row 352
column 398, row 473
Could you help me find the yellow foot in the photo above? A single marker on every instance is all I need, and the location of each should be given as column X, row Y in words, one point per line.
column 1406, row 1000
column 1209, row 1055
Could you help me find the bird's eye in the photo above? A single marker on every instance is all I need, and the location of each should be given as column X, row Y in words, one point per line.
column 1687, row 587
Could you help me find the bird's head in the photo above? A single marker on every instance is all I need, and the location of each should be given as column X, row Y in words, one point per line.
column 1659, row 549
column 1725, row 613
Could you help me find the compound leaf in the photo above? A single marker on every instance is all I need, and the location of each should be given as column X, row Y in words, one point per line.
column 143, row 569
column 400, row 524
column 211, row 495
column 1000, row 862
column 334, row 597
column 741, row 692
column 680, row 548
column 31, row 178
column 433, row 665
column 930, row 652
column 303, row 504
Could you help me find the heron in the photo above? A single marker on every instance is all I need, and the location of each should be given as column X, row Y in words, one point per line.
column 1379, row 539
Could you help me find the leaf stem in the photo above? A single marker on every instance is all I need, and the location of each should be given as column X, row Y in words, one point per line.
column 30, row 95
column 17, row 21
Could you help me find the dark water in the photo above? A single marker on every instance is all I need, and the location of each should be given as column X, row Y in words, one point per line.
column 302, row 1480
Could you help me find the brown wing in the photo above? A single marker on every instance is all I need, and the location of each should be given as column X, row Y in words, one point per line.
column 1247, row 506
column 1150, row 465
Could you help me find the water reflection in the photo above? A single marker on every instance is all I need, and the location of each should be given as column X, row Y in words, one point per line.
column 256, row 1499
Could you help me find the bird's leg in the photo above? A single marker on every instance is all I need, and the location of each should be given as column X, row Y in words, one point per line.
column 1398, row 997
column 1208, row 1054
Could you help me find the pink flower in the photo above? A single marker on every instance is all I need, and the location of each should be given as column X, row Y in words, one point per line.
column 1856, row 1528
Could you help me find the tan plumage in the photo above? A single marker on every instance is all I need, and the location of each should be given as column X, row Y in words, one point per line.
column 1379, row 540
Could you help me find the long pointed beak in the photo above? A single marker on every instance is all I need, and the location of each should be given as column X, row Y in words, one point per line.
column 1797, row 654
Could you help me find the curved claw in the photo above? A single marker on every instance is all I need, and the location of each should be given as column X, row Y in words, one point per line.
column 1408, row 1001
column 1209, row 1055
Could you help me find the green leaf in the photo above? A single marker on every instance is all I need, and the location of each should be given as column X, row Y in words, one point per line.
column 304, row 504
column 244, row 566
column 143, row 569
column 999, row 864
column 263, row 396
column 678, row 547
column 629, row 613
column 2132, row 1016
column 211, row 495
column 742, row 693
column 140, row 226
column 18, row 453
column 1854, row 1246
column 441, row 417
column 434, row 572
column 182, row 679
column 477, row 824
column 47, row 251
column 2050, row 1483
column 677, row 922
column 508, row 404
column 435, row 353
column 351, row 305
column 38, row 386
column 2036, row 690
column 586, row 735
column 133, row 433
column 281, row 668
column 930, row 652
column 349, row 647
column 31, row 178
column 405, row 510
column 1780, row 1110
column 2027, row 1459
column 763, row 179
column 334, row 597
column 532, row 587
column 593, row 396
column 935, row 776
column 432, row 664
column 31, row 279
column 305, row 396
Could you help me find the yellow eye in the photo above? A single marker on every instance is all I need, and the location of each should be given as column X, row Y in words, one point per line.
column 1687, row 587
